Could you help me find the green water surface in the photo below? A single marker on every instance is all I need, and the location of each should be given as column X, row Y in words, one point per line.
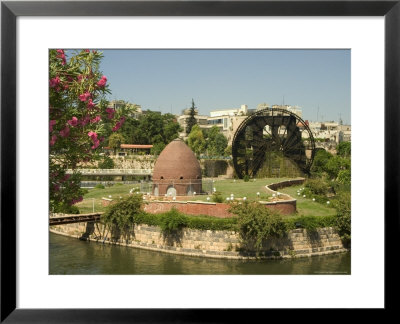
column 72, row 256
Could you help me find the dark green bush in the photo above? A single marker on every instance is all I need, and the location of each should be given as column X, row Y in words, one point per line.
column 310, row 223
column 217, row 197
column 342, row 203
column 256, row 223
column 211, row 223
column 317, row 186
column 172, row 221
column 246, row 178
column 123, row 213
column 106, row 163
column 99, row 186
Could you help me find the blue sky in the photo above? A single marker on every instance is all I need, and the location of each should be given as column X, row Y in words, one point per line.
column 167, row 80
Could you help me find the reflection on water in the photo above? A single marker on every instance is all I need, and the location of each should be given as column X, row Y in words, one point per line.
column 72, row 256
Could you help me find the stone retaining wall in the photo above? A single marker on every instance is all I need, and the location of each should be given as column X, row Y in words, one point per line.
column 217, row 244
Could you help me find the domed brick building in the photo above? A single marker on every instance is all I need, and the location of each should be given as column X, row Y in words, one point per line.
column 177, row 171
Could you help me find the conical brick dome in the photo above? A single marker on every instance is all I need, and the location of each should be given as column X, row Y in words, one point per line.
column 177, row 167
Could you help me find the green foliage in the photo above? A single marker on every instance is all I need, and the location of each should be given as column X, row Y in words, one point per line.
column 217, row 197
column 79, row 120
column 191, row 120
column 317, row 186
column 99, row 186
column 152, row 128
column 335, row 164
column 211, row 223
column 115, row 140
column 321, row 158
column 310, row 223
column 122, row 214
column 344, row 149
column 106, row 163
column 216, row 143
column 342, row 203
column 246, row 178
column 172, row 221
column 196, row 140
column 228, row 151
column 257, row 224
column 157, row 148
column 344, row 176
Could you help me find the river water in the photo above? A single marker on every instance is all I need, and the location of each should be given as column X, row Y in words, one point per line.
column 72, row 256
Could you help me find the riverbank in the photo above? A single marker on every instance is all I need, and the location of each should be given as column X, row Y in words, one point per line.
column 207, row 243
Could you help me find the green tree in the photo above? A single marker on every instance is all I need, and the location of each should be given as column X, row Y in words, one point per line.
column 196, row 140
column 191, row 120
column 320, row 160
column 78, row 118
column 115, row 140
column 216, row 142
column 335, row 165
column 152, row 128
column 344, row 149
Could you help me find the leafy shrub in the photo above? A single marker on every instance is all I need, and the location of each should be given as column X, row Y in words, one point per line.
column 317, row 186
column 172, row 221
column 246, row 178
column 344, row 176
column 257, row 223
column 106, row 163
column 344, row 149
column 123, row 213
column 320, row 160
column 310, row 223
column 217, row 197
column 211, row 223
column 99, row 186
column 342, row 203
column 66, row 209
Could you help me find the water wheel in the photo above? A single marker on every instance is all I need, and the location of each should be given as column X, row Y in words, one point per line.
column 272, row 130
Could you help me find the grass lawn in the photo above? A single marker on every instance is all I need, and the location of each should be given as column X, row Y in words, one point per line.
column 239, row 188
column 307, row 207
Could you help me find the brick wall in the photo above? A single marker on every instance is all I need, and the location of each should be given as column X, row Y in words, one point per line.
column 220, row 210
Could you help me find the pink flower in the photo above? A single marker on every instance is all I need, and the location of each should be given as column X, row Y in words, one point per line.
column 61, row 55
column 73, row 122
column 96, row 143
column 55, row 82
column 122, row 119
column 96, row 119
column 65, row 132
column 66, row 177
column 110, row 113
column 80, row 77
column 91, row 104
column 53, row 140
column 117, row 126
column 52, row 123
column 102, row 82
column 87, row 51
column 74, row 201
column 85, row 120
column 85, row 96
column 93, row 135
column 56, row 187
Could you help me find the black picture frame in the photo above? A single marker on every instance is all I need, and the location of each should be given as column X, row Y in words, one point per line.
column 10, row 10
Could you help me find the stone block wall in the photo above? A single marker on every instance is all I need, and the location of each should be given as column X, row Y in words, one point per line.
column 221, row 244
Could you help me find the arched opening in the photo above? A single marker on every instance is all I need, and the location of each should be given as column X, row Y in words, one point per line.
column 171, row 191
